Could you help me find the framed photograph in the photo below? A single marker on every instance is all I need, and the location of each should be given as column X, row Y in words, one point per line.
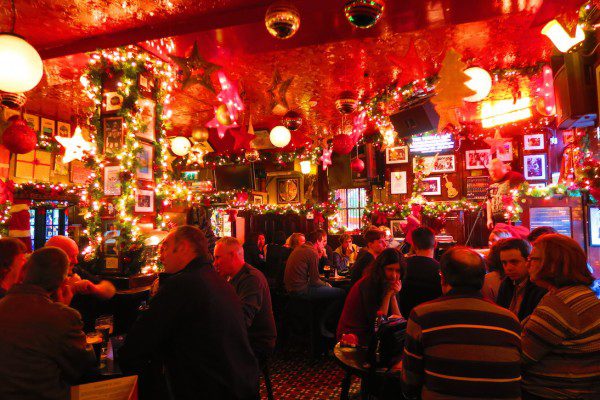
column 398, row 182
column 258, row 199
column 146, row 162
column 288, row 190
column 144, row 201
column 594, row 225
column 48, row 127
column 533, row 142
column 478, row 159
column 113, row 134
column 108, row 210
column 262, row 141
column 33, row 121
column 63, row 129
column 112, row 180
column 396, row 229
column 146, row 84
column 535, row 166
column 431, row 186
column 147, row 110
column 505, row 153
column 444, row 163
column 79, row 173
column 111, row 101
column 60, row 168
column 396, row 155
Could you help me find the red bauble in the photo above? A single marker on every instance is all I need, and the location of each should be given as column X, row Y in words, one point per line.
column 19, row 138
column 292, row 120
column 346, row 102
column 342, row 144
column 357, row 165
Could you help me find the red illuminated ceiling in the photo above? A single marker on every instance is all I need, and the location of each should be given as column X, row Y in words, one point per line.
column 325, row 57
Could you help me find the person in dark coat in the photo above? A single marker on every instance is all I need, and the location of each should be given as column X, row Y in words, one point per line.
column 376, row 243
column 517, row 293
column 276, row 257
column 254, row 253
column 194, row 330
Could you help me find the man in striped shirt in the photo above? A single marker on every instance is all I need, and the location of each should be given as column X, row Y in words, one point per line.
column 461, row 345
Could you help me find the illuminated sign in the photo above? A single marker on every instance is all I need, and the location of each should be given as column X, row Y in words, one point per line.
column 500, row 112
column 431, row 143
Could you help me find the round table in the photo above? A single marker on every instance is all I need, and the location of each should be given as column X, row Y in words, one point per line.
column 354, row 360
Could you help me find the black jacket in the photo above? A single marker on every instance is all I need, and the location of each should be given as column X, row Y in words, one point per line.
column 532, row 296
column 420, row 283
column 195, row 327
column 253, row 256
column 363, row 260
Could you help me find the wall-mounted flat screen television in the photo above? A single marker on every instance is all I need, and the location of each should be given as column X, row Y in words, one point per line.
column 233, row 177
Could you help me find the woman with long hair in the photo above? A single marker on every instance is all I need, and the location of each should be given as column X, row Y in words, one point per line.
column 561, row 338
column 13, row 254
column 376, row 292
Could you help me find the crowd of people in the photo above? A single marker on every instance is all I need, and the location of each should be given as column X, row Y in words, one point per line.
column 522, row 322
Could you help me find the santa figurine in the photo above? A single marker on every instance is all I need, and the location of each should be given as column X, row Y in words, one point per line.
column 18, row 225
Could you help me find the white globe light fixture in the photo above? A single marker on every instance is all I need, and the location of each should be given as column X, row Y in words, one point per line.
column 21, row 68
column 280, row 136
column 180, row 146
column 481, row 82
column 305, row 167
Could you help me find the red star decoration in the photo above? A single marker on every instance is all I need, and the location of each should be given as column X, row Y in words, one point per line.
column 495, row 143
column 242, row 138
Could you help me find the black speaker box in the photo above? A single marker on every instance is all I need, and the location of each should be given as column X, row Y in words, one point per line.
column 417, row 119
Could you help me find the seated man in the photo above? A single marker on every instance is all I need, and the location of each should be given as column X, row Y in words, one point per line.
column 253, row 290
column 421, row 279
column 42, row 346
column 517, row 293
column 346, row 253
column 376, row 243
column 460, row 345
column 193, row 331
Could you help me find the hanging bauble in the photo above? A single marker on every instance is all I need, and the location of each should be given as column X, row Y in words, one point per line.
column 364, row 13
column 223, row 116
column 481, row 83
column 180, row 146
column 342, row 144
column 357, row 165
column 282, row 20
column 347, row 102
column 252, row 155
column 200, row 134
column 21, row 68
column 18, row 137
column 292, row 120
column 280, row 136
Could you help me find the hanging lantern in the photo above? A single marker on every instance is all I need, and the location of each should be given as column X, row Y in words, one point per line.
column 347, row 102
column 305, row 167
column 223, row 116
column 282, row 20
column 200, row 134
column 21, row 68
column 252, row 155
column 280, row 136
column 342, row 144
column 357, row 165
column 180, row 146
column 18, row 137
column 480, row 83
column 292, row 120
column 364, row 13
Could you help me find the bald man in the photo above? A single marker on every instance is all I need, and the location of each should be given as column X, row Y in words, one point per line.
column 81, row 281
column 503, row 181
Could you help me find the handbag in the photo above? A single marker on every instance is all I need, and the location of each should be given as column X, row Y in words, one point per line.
column 387, row 343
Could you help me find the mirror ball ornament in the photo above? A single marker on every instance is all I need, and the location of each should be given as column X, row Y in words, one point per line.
column 252, row 155
column 357, row 165
column 18, row 137
column 282, row 20
column 280, row 136
column 200, row 134
column 223, row 116
column 292, row 120
column 347, row 102
column 364, row 13
column 342, row 144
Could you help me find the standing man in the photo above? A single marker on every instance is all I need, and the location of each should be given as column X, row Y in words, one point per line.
column 194, row 330
column 376, row 243
column 460, row 345
column 517, row 293
column 253, row 290
column 421, row 279
column 42, row 345
column 504, row 180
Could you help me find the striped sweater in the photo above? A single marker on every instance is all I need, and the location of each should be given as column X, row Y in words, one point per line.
column 462, row 346
column 561, row 345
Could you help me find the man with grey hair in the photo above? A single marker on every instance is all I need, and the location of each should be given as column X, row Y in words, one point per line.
column 42, row 345
column 253, row 290
column 193, row 331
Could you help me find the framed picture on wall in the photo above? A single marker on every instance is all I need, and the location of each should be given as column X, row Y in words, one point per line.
column 396, row 228
column 444, row 163
column 146, row 162
column 478, row 159
column 113, row 134
column 396, row 155
column 111, row 101
column 258, row 198
column 431, row 186
column 288, row 190
column 535, row 167
column 147, row 110
column 533, row 142
column 144, row 200
column 594, row 218
column 63, row 129
column 398, row 182
column 33, row 121
column 112, row 180
column 48, row 127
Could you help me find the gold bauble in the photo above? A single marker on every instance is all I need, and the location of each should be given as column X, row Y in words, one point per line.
column 200, row 134
column 222, row 115
column 252, row 155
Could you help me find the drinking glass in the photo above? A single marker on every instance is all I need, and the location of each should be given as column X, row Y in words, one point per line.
column 104, row 325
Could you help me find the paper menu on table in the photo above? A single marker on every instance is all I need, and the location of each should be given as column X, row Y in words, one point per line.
column 113, row 389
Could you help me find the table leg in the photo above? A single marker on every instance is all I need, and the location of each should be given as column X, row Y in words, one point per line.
column 344, row 395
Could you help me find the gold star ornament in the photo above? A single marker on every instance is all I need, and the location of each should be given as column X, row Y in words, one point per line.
column 196, row 70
